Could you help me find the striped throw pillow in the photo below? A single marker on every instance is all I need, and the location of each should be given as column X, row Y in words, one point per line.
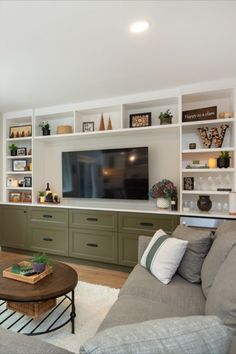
column 163, row 255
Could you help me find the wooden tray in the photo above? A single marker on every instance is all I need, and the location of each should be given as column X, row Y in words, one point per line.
column 7, row 273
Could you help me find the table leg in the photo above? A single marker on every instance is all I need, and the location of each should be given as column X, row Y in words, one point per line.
column 73, row 314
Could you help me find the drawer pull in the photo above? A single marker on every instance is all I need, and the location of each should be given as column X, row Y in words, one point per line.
column 92, row 219
column 92, row 245
column 146, row 223
column 47, row 216
column 47, row 239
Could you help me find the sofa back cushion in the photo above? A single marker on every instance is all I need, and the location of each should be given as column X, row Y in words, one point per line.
column 225, row 239
column 221, row 300
column 199, row 243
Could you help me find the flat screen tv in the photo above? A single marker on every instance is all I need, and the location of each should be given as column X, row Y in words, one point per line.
column 112, row 174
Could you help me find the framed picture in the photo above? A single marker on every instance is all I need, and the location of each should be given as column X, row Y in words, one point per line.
column 188, row 183
column 20, row 131
column 26, row 197
column 21, row 152
column 28, row 181
column 15, row 197
column 88, row 127
column 140, row 120
column 19, row 165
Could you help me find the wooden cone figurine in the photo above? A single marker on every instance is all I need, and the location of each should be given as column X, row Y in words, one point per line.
column 109, row 126
column 102, row 125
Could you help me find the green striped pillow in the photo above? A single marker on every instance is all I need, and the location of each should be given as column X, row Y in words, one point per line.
column 163, row 255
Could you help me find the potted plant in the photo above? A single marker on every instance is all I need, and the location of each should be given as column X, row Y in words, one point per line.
column 165, row 117
column 162, row 192
column 45, row 128
column 39, row 261
column 13, row 149
column 41, row 197
column 223, row 161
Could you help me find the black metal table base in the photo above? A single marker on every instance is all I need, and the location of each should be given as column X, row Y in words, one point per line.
column 49, row 322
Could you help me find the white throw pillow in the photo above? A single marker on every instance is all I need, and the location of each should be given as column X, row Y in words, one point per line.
column 163, row 255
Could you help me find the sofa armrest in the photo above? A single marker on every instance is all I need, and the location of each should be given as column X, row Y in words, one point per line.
column 143, row 242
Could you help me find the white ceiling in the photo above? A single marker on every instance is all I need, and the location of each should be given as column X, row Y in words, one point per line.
column 58, row 52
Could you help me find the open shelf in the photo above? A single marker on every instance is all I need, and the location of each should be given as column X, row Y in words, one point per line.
column 207, row 122
column 195, row 151
column 19, row 188
column 207, row 170
column 202, row 192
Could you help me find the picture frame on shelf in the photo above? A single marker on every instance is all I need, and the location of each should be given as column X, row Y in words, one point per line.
column 28, row 182
column 20, row 131
column 26, row 197
column 188, row 183
column 22, row 151
column 88, row 127
column 140, row 120
column 19, row 165
column 15, row 197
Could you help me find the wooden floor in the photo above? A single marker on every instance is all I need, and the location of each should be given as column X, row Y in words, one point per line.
column 89, row 274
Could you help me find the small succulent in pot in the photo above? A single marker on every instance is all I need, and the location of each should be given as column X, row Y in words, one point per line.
column 223, row 161
column 45, row 126
column 40, row 261
column 13, row 149
column 165, row 117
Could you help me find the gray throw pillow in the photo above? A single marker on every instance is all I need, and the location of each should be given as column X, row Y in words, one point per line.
column 225, row 239
column 221, row 300
column 182, row 335
column 199, row 243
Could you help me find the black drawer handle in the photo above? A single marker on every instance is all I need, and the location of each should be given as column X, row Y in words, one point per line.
column 47, row 216
column 146, row 223
column 92, row 245
column 47, row 239
column 92, row 219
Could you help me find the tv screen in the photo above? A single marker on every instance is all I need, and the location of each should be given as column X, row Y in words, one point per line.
column 113, row 173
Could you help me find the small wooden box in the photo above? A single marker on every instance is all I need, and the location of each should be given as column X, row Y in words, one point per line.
column 32, row 309
column 64, row 129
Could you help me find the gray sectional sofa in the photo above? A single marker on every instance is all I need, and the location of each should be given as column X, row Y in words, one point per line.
column 145, row 300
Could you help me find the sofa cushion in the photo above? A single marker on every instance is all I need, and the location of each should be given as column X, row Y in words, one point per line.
column 225, row 239
column 14, row 343
column 163, row 255
column 195, row 335
column 221, row 300
column 199, row 243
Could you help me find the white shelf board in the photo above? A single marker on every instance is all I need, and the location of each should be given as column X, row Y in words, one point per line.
column 19, row 188
column 203, row 192
column 209, row 121
column 19, row 172
column 195, row 151
column 109, row 132
column 212, row 214
column 207, row 170
column 19, row 139
column 19, row 157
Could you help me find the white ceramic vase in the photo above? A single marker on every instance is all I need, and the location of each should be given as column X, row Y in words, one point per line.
column 163, row 203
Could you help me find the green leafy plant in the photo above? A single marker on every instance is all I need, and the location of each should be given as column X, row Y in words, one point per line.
column 166, row 114
column 40, row 258
column 12, row 147
column 41, row 194
column 224, row 155
column 44, row 125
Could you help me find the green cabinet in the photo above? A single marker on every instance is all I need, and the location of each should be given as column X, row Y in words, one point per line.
column 14, row 226
column 93, row 219
column 132, row 225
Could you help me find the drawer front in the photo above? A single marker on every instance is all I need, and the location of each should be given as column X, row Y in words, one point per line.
column 133, row 222
column 57, row 217
column 93, row 245
column 49, row 240
column 98, row 220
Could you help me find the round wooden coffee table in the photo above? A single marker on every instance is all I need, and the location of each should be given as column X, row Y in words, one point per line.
column 16, row 295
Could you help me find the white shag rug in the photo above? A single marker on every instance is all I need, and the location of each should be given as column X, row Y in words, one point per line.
column 92, row 304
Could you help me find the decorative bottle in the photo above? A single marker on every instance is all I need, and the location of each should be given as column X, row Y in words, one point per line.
column 174, row 202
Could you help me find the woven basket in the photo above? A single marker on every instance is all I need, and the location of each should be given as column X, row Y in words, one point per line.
column 64, row 129
column 32, row 309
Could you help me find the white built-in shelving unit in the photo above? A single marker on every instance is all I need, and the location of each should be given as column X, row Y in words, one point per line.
column 168, row 144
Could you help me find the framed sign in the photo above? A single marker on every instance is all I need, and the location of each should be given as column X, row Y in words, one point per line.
column 188, row 183
column 88, row 127
column 140, row 120
column 20, row 131
column 19, row 165
column 21, row 151
column 194, row 115
column 28, row 182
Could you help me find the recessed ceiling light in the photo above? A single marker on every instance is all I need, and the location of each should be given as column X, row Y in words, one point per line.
column 139, row 26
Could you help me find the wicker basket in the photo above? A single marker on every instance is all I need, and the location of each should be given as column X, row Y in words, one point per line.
column 32, row 309
column 64, row 129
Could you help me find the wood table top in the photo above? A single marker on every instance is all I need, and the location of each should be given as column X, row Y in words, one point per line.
column 62, row 280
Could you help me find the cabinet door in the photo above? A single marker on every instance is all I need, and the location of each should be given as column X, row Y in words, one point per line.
column 46, row 215
column 14, row 227
column 93, row 245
